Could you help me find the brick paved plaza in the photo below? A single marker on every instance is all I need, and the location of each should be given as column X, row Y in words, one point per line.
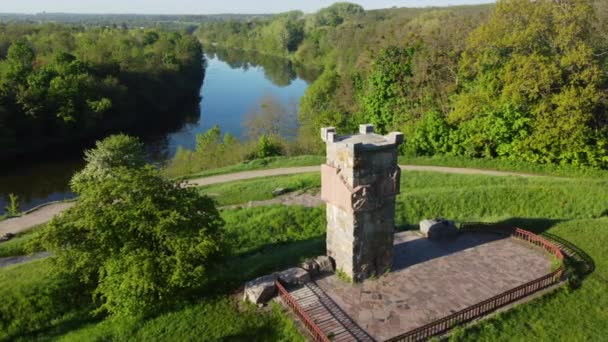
column 430, row 280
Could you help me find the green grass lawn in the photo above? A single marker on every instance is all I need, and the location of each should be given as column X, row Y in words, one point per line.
column 264, row 163
column 506, row 165
column 439, row 160
column 266, row 239
column 566, row 314
column 260, row 188
column 22, row 244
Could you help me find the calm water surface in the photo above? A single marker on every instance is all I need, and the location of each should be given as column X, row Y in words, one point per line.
column 235, row 82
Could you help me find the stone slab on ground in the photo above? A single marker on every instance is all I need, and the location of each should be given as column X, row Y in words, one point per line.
column 432, row 279
column 325, row 264
column 294, row 276
column 438, row 228
column 260, row 290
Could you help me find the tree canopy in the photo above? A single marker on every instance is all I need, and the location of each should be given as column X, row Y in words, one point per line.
column 63, row 84
column 523, row 79
column 135, row 238
column 533, row 86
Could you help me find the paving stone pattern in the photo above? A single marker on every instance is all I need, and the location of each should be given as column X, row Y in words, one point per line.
column 430, row 280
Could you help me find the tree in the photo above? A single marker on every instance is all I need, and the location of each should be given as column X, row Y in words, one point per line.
column 335, row 14
column 268, row 146
column 272, row 118
column 20, row 59
column 532, row 85
column 386, row 97
column 113, row 152
column 135, row 238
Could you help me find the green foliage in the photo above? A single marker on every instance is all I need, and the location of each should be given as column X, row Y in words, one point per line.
column 386, row 93
column 506, row 165
column 212, row 151
column 533, row 87
column 335, row 14
column 112, row 152
column 267, row 147
column 267, row 128
column 525, row 82
column 63, row 84
column 258, row 189
column 22, row 244
column 12, row 209
column 34, row 297
column 213, row 319
column 252, row 228
column 133, row 236
column 343, row 276
column 136, row 238
column 265, row 163
column 267, row 239
column 317, row 109
column 431, row 135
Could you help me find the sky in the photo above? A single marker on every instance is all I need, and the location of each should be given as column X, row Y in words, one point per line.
column 202, row 6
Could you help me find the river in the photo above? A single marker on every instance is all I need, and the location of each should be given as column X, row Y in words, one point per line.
column 235, row 83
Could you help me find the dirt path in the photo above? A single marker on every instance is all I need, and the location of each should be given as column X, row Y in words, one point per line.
column 45, row 212
column 230, row 177
column 8, row 261
column 308, row 198
column 33, row 217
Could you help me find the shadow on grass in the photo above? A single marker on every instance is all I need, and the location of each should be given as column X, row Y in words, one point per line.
column 231, row 274
column 62, row 326
column 251, row 335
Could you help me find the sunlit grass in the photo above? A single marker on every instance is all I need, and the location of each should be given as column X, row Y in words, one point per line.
column 266, row 239
column 260, row 188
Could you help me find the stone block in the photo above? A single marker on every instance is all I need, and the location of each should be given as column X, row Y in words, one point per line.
column 311, row 267
column 260, row 290
column 438, row 228
column 7, row 237
column 279, row 191
column 294, row 276
column 325, row 264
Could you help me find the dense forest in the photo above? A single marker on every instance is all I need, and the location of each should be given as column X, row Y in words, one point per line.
column 61, row 84
column 519, row 80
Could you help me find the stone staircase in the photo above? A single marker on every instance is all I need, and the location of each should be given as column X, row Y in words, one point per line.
column 328, row 316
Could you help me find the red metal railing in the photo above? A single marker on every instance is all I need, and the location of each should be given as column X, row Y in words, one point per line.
column 538, row 241
column 315, row 332
column 443, row 325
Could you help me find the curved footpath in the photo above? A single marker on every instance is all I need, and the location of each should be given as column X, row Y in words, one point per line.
column 44, row 213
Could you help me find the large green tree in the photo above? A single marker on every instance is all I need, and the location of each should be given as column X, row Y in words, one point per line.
column 533, row 86
column 135, row 238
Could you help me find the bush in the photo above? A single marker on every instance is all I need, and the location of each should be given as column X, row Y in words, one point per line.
column 267, row 147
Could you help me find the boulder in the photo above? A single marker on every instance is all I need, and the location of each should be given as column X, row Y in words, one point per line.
column 310, row 266
column 438, row 228
column 7, row 237
column 260, row 290
column 294, row 276
column 279, row 191
column 326, row 265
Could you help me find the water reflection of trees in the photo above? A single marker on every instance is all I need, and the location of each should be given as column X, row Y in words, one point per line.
column 280, row 71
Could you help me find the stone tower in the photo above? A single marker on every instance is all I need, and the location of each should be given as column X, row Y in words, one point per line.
column 359, row 183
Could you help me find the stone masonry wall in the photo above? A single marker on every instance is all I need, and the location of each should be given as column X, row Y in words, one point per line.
column 359, row 183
